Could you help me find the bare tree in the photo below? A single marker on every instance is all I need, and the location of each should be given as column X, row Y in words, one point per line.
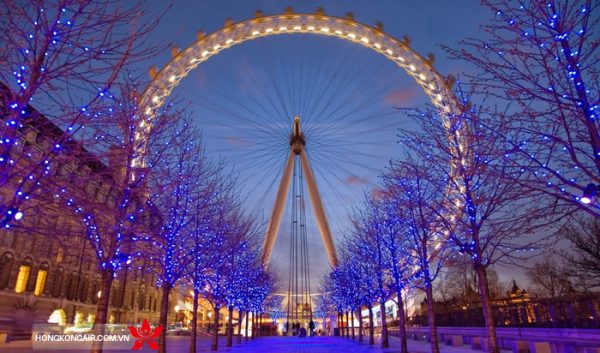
column 548, row 279
column 459, row 283
column 583, row 259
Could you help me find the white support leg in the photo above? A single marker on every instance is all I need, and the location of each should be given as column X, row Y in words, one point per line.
column 317, row 205
column 275, row 221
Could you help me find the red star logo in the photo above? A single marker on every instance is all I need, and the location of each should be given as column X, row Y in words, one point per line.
column 145, row 334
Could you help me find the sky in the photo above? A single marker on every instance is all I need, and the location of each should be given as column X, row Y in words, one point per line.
column 346, row 96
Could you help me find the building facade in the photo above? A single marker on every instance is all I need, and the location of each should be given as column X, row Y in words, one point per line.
column 48, row 271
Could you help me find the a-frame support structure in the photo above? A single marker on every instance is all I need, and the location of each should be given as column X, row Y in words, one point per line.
column 298, row 150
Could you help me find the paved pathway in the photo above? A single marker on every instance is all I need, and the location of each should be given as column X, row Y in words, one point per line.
column 320, row 344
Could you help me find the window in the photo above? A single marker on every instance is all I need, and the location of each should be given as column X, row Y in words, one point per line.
column 142, row 299
column 58, row 316
column 22, row 279
column 40, row 282
column 58, row 282
column 84, row 289
column 72, row 284
column 95, row 288
column 60, row 255
column 6, row 262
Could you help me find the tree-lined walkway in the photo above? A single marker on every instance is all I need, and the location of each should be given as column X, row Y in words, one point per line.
column 320, row 344
column 327, row 344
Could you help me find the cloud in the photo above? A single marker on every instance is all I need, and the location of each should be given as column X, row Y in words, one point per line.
column 355, row 180
column 237, row 141
column 200, row 79
column 400, row 97
column 376, row 193
column 247, row 76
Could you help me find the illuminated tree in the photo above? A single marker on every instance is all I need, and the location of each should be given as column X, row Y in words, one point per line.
column 225, row 268
column 172, row 184
column 418, row 195
column 116, row 210
column 354, row 283
column 324, row 303
column 215, row 269
column 207, row 200
column 65, row 58
column 366, row 244
column 343, row 287
column 367, row 290
column 372, row 265
column 264, row 286
column 338, row 284
column 540, row 62
column 243, row 265
column 487, row 216
column 385, row 213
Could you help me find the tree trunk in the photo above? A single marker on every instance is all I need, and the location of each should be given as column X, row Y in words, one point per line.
column 253, row 332
column 352, row 321
column 102, row 309
column 402, row 323
column 486, row 306
column 371, row 331
column 254, row 325
column 258, row 319
column 360, row 328
column 347, row 325
column 215, row 339
column 246, row 335
column 164, row 310
column 239, row 336
column 258, row 325
column 431, row 319
column 230, row 328
column 194, row 323
column 339, row 324
column 385, row 341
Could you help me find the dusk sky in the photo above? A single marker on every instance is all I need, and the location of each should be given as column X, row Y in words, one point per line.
column 244, row 99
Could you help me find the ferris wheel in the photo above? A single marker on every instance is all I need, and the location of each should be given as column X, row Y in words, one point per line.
column 300, row 104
